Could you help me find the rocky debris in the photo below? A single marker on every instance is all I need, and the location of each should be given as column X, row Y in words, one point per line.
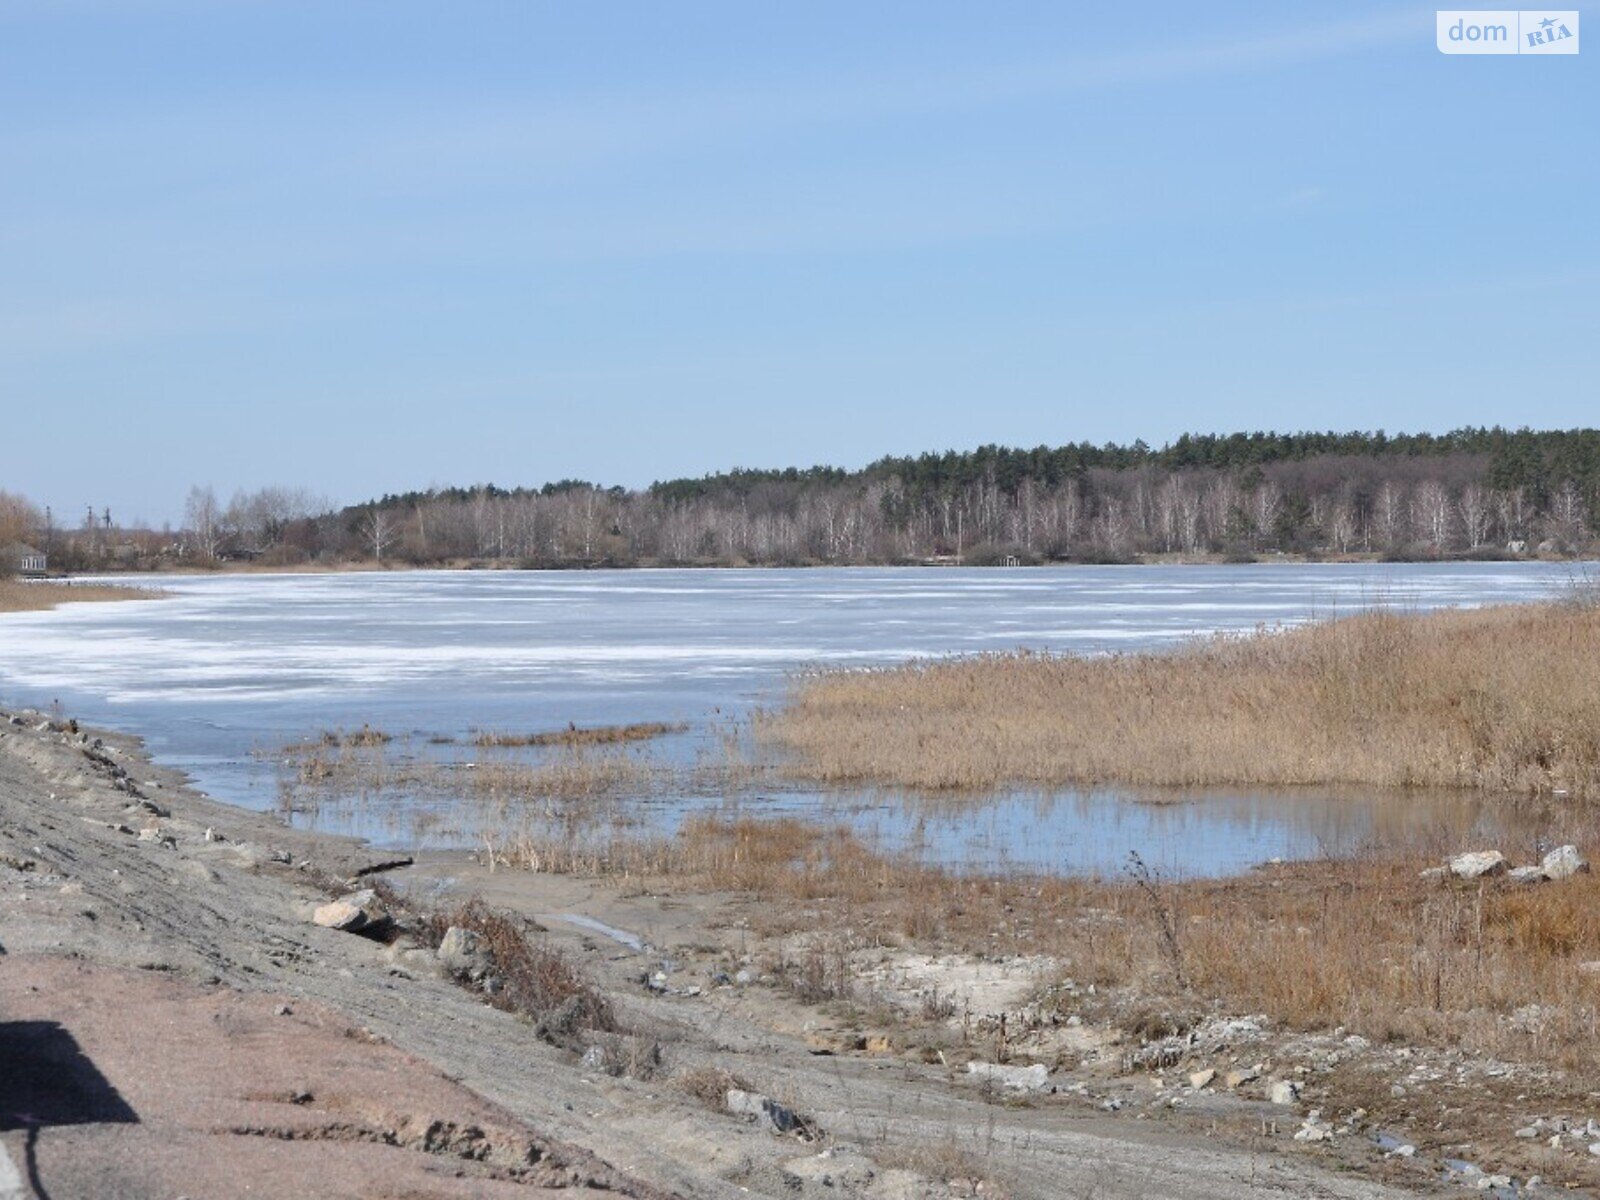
column 1283, row 1091
column 1478, row 864
column 846, row 1172
column 358, row 912
column 1240, row 1076
column 99, row 756
column 1562, row 863
column 1313, row 1128
column 1033, row 1079
column 1201, row 1079
column 764, row 1110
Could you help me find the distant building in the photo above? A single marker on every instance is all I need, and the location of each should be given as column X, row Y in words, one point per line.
column 26, row 560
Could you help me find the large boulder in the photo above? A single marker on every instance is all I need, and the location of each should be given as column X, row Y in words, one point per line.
column 356, row 912
column 1478, row 864
column 461, row 953
column 1562, row 863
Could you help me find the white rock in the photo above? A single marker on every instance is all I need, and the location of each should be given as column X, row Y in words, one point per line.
column 1284, row 1091
column 1022, row 1079
column 1526, row 875
column 1200, row 1079
column 1477, row 864
column 1563, row 862
column 1433, row 874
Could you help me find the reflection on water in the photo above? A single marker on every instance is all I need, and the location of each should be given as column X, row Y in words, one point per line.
column 231, row 666
column 1178, row 833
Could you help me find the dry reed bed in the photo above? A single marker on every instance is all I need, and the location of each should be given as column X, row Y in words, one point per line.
column 364, row 763
column 1363, row 944
column 30, row 596
column 572, row 735
column 361, row 767
column 1504, row 698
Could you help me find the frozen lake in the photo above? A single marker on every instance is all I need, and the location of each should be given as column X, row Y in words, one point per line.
column 227, row 669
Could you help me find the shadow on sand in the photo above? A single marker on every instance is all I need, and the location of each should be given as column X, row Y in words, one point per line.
column 46, row 1080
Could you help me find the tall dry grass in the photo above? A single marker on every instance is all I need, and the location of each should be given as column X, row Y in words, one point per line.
column 17, row 595
column 1506, row 698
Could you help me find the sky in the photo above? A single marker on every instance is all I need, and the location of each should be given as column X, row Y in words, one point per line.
column 369, row 247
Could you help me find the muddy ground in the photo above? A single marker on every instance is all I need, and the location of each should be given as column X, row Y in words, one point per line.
column 172, row 1023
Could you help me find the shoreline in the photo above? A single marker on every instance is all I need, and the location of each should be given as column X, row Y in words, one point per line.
column 181, row 920
column 1265, row 559
column 44, row 595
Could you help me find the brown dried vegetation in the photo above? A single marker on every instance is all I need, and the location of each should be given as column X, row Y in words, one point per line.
column 1503, row 698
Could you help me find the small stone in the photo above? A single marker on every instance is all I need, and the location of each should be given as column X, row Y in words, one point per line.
column 1433, row 874
column 742, row 977
column 1200, row 1079
column 1526, row 875
column 1594, row 1148
column 283, row 1010
column 1240, row 1076
column 764, row 1110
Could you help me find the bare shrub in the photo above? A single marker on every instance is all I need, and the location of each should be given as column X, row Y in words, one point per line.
column 537, row 981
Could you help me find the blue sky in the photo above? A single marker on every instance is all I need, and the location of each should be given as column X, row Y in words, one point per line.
column 363, row 247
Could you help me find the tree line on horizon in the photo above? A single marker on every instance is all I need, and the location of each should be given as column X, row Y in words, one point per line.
column 1482, row 492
